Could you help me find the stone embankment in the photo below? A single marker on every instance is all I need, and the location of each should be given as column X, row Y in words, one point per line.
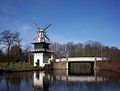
column 109, row 66
column 58, row 65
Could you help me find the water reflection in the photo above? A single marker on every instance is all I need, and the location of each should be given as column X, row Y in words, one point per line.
column 15, row 81
column 40, row 81
column 60, row 80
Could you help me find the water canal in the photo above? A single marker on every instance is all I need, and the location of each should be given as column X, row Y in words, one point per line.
column 60, row 80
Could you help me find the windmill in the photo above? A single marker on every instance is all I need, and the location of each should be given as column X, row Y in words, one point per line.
column 41, row 36
column 41, row 42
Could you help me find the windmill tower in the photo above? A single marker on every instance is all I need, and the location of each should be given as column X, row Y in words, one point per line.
column 41, row 47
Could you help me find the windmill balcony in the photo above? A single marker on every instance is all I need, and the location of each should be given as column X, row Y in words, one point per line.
column 40, row 50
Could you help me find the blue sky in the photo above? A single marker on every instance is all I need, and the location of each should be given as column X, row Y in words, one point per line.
column 72, row 20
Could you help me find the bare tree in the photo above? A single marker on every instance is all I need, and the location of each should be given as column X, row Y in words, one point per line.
column 8, row 38
column 88, row 49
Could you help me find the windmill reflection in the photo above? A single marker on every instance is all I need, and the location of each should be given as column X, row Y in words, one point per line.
column 40, row 81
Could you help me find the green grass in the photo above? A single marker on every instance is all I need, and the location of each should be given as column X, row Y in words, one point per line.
column 6, row 65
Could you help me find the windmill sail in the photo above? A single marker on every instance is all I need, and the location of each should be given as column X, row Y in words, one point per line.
column 37, row 26
column 41, row 36
column 47, row 38
column 47, row 27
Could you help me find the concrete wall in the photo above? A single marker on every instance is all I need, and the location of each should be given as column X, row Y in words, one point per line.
column 59, row 65
column 38, row 56
column 42, row 57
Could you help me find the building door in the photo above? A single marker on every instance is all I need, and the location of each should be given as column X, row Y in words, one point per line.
column 38, row 61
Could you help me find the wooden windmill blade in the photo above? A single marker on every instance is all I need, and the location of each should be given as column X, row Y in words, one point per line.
column 47, row 27
column 47, row 37
column 37, row 26
column 35, row 37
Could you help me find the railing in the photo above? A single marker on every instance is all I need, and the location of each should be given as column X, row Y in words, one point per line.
column 41, row 50
column 91, row 59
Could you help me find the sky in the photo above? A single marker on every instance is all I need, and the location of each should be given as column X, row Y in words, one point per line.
column 72, row 20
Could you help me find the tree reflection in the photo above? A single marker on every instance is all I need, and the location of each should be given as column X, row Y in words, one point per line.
column 13, row 82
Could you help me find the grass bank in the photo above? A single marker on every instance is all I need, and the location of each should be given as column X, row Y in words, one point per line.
column 17, row 67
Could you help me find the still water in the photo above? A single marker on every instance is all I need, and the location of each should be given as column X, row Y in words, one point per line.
column 60, row 80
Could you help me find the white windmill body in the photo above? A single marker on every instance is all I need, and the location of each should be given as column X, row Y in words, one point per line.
column 41, row 50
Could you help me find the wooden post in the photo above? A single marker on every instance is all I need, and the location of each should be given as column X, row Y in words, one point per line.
column 95, row 63
column 67, row 62
column 29, row 57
